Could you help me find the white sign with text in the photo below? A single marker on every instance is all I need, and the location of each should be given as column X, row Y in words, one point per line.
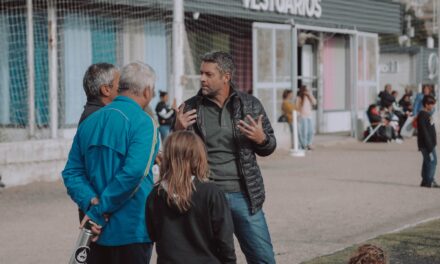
column 309, row 8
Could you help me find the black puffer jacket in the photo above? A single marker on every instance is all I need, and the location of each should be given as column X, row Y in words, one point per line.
column 243, row 104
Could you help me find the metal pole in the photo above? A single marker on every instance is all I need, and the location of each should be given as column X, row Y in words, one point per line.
column 295, row 152
column 438, row 47
column 31, row 69
column 320, row 84
column 53, row 68
column 355, row 87
column 178, row 63
column 294, row 62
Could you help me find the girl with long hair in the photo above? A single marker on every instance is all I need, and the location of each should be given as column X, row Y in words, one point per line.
column 187, row 217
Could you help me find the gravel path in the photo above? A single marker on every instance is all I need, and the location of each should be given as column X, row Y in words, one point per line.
column 334, row 197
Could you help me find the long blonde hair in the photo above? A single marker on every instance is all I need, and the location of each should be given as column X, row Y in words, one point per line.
column 184, row 156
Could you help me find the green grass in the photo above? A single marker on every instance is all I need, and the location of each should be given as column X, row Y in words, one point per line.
column 416, row 245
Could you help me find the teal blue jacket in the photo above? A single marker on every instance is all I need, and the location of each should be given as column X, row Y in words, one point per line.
column 108, row 160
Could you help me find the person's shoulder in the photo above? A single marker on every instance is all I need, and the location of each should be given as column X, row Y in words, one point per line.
column 145, row 121
column 207, row 187
column 248, row 98
column 153, row 196
column 159, row 106
column 192, row 100
column 91, row 121
column 423, row 115
column 154, row 191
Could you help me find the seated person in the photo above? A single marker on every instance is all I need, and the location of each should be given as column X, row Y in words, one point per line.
column 385, row 132
column 386, row 99
column 374, row 115
column 406, row 104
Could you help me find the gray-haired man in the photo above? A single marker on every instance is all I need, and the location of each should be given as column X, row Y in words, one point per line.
column 100, row 84
column 110, row 163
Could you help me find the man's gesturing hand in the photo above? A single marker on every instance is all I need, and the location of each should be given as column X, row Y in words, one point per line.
column 254, row 130
column 184, row 120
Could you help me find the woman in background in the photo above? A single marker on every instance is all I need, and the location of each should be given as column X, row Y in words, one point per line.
column 304, row 103
column 287, row 108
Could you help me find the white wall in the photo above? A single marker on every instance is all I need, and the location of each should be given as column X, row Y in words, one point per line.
column 77, row 58
column 405, row 75
column 4, row 72
column 30, row 161
column 336, row 122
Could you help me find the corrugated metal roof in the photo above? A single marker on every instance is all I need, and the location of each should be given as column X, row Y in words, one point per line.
column 364, row 15
column 377, row 16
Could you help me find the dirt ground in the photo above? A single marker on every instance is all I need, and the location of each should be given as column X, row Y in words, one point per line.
column 336, row 196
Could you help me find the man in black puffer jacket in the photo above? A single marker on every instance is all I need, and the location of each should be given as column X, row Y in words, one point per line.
column 235, row 129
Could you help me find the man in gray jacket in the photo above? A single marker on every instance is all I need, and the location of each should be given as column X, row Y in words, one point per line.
column 234, row 127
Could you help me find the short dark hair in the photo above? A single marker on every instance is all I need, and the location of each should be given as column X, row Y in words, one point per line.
column 224, row 61
column 428, row 99
column 98, row 74
column 162, row 93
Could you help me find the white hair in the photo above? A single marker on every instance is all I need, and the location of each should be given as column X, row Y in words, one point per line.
column 136, row 77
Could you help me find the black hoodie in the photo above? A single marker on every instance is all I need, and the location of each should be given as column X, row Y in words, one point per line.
column 426, row 135
column 203, row 234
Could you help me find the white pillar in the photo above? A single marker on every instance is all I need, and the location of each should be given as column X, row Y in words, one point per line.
column 31, row 69
column 354, row 84
column 53, row 68
column 296, row 151
column 178, row 63
column 438, row 47
column 294, row 62
column 320, row 97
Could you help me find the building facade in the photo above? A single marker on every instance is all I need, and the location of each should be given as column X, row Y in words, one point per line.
column 329, row 45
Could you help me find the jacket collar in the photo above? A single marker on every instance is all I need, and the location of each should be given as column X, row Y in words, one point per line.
column 233, row 92
column 94, row 102
column 122, row 98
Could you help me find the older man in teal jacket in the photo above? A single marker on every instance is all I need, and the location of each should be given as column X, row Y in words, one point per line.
column 108, row 173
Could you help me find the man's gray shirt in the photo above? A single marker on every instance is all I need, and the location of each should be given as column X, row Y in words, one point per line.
column 221, row 147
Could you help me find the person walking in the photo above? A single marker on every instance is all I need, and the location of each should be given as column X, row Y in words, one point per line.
column 184, row 207
column 287, row 108
column 234, row 128
column 427, row 141
column 165, row 115
column 304, row 103
column 101, row 84
column 108, row 171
